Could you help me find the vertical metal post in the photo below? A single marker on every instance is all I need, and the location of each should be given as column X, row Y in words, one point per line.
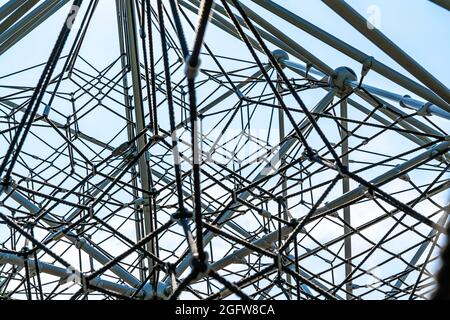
column 345, row 189
column 144, row 170
column 282, row 135
column 130, row 124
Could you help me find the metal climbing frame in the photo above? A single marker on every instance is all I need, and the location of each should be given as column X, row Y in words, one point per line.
column 211, row 155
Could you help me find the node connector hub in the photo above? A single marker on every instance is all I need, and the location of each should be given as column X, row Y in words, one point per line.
column 280, row 55
column 341, row 79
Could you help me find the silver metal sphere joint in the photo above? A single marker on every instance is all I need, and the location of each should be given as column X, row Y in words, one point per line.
column 280, row 55
column 341, row 78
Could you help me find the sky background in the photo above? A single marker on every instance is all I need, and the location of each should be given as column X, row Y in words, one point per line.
column 419, row 27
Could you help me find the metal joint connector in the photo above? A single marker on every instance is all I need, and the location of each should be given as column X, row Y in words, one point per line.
column 367, row 65
column 191, row 71
column 142, row 33
column 425, row 110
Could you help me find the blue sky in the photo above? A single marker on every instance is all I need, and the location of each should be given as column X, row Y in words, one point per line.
column 418, row 26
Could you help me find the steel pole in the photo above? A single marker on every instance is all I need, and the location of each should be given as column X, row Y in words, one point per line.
column 144, row 170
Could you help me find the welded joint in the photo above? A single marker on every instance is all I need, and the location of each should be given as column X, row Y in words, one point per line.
column 310, row 155
column 71, row 275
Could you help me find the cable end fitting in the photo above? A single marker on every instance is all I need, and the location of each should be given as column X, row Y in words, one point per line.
column 191, row 67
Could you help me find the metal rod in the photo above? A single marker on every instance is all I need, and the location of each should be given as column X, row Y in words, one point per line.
column 144, row 170
column 389, row 47
column 345, row 189
column 352, row 52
